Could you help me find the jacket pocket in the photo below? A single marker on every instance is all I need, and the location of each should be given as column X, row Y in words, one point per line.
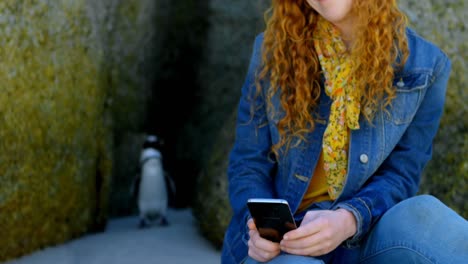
column 409, row 92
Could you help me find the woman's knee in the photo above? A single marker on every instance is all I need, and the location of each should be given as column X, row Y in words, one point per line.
column 420, row 218
column 421, row 226
column 397, row 255
column 417, row 212
column 424, row 202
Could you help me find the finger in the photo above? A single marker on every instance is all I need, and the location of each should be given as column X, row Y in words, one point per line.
column 303, row 242
column 305, row 230
column 261, row 255
column 262, row 243
column 316, row 245
column 313, row 222
column 251, row 224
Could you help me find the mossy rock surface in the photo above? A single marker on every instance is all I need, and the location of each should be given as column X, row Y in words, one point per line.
column 209, row 133
column 211, row 206
column 76, row 76
column 447, row 173
column 446, row 176
column 56, row 138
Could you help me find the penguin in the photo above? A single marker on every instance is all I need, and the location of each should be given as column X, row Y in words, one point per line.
column 152, row 195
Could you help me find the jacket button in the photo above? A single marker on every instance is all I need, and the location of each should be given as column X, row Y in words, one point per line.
column 400, row 83
column 364, row 158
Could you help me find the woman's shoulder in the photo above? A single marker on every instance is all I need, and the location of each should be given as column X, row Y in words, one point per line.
column 423, row 54
column 259, row 36
column 259, row 39
column 416, row 41
column 257, row 51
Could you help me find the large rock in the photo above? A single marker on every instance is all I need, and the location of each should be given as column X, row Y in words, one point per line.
column 231, row 34
column 211, row 206
column 443, row 22
column 210, row 131
column 72, row 74
column 54, row 154
column 446, row 175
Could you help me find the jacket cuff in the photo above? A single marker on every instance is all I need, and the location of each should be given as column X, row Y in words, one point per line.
column 363, row 215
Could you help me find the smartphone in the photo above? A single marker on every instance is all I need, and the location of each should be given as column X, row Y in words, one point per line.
column 272, row 217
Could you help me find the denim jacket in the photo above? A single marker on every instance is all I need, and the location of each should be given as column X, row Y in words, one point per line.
column 386, row 158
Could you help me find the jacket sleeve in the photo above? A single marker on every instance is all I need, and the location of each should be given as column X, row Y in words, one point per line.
column 393, row 182
column 249, row 169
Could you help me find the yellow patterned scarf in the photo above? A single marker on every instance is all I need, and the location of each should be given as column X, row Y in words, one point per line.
column 345, row 108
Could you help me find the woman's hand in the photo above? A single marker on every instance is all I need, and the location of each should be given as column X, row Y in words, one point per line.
column 320, row 233
column 261, row 249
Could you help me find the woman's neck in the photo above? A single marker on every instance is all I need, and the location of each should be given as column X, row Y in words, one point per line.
column 347, row 32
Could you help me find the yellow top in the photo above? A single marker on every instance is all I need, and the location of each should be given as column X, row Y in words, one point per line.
column 318, row 187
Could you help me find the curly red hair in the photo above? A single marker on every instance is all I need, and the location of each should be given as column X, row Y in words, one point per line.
column 291, row 65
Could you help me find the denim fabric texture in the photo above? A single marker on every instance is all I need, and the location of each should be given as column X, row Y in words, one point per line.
column 386, row 158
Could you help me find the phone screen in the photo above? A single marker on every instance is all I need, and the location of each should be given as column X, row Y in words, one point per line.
column 272, row 217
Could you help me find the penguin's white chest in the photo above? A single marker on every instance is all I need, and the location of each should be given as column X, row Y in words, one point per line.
column 153, row 194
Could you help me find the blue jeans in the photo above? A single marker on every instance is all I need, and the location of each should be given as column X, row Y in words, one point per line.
column 418, row 230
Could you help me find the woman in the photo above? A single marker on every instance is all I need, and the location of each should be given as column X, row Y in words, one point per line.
column 337, row 116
